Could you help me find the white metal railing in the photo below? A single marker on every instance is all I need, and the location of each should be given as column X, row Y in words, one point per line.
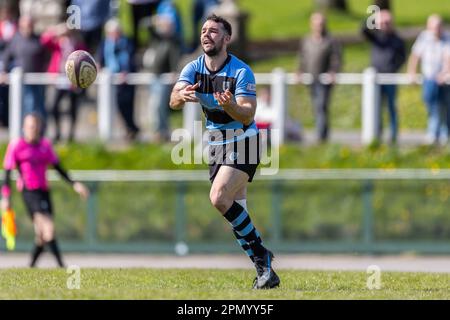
column 283, row 174
column 278, row 80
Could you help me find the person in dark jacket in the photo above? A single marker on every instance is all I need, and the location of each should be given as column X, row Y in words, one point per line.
column 27, row 52
column 116, row 54
column 388, row 55
column 320, row 54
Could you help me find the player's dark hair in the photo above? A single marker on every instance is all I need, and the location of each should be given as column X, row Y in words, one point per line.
column 37, row 116
column 221, row 20
column 39, row 119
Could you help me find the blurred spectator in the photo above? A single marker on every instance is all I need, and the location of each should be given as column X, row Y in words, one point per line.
column 141, row 9
column 162, row 57
column 8, row 28
column 388, row 55
column 168, row 9
column 27, row 52
column 264, row 117
column 94, row 14
column 61, row 42
column 200, row 10
column 320, row 53
column 116, row 54
column 429, row 49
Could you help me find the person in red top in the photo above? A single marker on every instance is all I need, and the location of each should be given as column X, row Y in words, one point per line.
column 31, row 155
column 61, row 41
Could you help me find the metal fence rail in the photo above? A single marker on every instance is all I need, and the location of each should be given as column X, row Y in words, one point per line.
column 181, row 182
column 278, row 80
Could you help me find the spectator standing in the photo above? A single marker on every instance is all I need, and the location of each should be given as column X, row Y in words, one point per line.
column 27, row 52
column 320, row 53
column 8, row 28
column 61, row 42
column 141, row 9
column 429, row 49
column 94, row 14
column 388, row 55
column 162, row 57
column 116, row 54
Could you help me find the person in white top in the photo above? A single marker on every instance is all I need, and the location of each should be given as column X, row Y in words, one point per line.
column 429, row 48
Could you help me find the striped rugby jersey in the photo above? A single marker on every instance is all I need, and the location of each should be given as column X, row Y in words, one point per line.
column 234, row 75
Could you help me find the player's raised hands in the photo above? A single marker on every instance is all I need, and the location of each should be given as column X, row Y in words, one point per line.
column 224, row 98
column 188, row 93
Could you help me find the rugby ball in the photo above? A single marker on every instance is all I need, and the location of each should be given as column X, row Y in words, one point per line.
column 81, row 69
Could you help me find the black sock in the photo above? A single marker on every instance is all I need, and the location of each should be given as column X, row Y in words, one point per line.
column 53, row 245
column 37, row 250
column 244, row 230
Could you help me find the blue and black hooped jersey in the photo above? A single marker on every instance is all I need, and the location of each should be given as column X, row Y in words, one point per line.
column 234, row 75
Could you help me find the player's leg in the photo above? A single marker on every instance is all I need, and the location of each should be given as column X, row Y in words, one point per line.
column 241, row 198
column 229, row 183
column 38, row 241
column 48, row 235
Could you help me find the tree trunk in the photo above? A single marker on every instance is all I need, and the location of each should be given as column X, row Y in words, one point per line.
column 332, row 4
column 383, row 4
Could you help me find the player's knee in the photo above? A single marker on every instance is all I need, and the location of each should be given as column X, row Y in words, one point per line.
column 48, row 232
column 219, row 199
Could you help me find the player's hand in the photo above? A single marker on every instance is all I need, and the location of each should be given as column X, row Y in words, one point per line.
column 187, row 94
column 224, row 99
column 442, row 78
column 81, row 189
column 3, row 77
column 5, row 204
column 413, row 78
column 298, row 77
column 122, row 77
column 332, row 77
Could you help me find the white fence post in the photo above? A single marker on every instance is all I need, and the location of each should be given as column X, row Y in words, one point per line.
column 15, row 102
column 279, row 102
column 370, row 113
column 106, row 104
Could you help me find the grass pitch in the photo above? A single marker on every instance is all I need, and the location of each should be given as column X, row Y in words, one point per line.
column 235, row 284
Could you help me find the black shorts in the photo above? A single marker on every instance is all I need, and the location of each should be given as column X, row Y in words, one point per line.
column 243, row 155
column 37, row 201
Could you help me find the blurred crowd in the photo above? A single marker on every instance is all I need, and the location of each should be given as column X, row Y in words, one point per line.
column 102, row 33
column 321, row 54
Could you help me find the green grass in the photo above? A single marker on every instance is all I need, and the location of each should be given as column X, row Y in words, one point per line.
column 289, row 19
column 217, row 284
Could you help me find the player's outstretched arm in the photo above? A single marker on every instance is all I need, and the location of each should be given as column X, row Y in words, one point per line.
column 79, row 187
column 241, row 109
column 182, row 92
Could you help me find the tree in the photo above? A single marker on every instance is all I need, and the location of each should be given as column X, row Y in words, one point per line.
column 332, row 4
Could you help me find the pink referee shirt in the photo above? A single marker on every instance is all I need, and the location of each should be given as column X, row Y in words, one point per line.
column 32, row 161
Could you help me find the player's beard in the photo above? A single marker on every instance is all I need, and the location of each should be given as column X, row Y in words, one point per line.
column 214, row 51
